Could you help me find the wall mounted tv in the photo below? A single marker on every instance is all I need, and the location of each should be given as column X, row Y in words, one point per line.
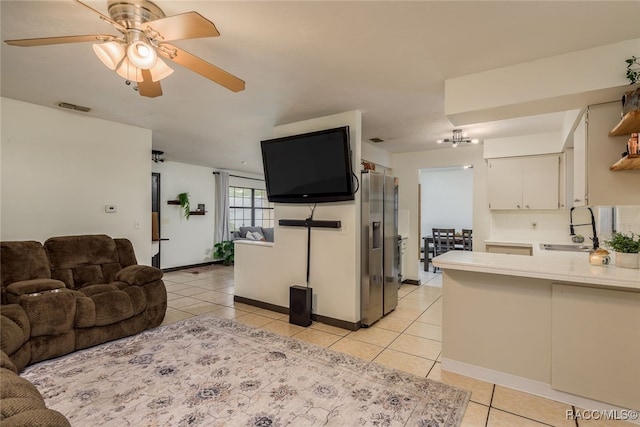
column 313, row 167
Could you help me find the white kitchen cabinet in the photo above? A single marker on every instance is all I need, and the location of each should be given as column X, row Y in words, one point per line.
column 594, row 151
column 595, row 342
column 530, row 182
column 509, row 249
column 580, row 164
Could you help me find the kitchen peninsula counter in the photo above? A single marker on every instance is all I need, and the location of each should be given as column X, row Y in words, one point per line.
column 549, row 324
column 543, row 264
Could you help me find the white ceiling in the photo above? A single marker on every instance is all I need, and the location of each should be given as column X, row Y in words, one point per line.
column 304, row 59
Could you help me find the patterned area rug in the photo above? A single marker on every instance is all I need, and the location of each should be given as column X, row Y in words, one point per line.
column 206, row 371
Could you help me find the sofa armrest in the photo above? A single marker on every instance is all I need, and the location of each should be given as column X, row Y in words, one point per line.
column 137, row 275
column 24, row 287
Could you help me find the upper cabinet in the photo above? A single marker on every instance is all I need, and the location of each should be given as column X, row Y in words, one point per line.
column 530, row 182
column 604, row 146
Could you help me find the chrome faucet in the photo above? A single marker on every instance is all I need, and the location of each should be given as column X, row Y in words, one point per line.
column 596, row 243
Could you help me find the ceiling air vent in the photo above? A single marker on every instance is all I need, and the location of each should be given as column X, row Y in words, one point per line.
column 376, row 140
column 73, row 107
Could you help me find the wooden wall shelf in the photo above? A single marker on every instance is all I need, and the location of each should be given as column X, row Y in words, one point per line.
column 628, row 162
column 629, row 124
column 197, row 212
column 173, row 202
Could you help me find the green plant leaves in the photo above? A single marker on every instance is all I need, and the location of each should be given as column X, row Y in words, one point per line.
column 621, row 242
column 183, row 198
column 224, row 251
column 633, row 74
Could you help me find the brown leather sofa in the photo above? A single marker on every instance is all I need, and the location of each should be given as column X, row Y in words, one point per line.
column 71, row 293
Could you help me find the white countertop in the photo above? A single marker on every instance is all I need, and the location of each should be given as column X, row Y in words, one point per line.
column 552, row 265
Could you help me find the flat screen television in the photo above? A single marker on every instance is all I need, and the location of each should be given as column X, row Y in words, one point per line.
column 313, row 167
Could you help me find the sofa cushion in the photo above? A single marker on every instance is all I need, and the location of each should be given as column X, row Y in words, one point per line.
column 23, row 405
column 255, row 235
column 139, row 275
column 22, row 261
column 23, row 287
column 11, row 335
column 243, row 230
column 79, row 261
column 268, row 234
column 50, row 313
column 76, row 251
column 126, row 254
column 16, row 314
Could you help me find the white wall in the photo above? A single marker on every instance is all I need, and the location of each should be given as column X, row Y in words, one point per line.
column 447, row 198
column 406, row 167
column 524, row 145
column 265, row 272
column 557, row 83
column 190, row 240
column 60, row 169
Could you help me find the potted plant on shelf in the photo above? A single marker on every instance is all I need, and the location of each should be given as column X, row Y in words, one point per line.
column 183, row 198
column 633, row 69
column 626, row 248
column 578, row 238
column 224, row 251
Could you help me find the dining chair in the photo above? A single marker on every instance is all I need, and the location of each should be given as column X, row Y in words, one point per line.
column 467, row 239
column 444, row 240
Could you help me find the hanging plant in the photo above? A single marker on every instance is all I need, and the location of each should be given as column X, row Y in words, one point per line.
column 183, row 198
column 633, row 70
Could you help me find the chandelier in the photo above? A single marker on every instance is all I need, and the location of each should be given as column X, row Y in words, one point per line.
column 457, row 138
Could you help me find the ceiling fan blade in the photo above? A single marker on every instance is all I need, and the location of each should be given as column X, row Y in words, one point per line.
column 190, row 25
column 201, row 67
column 43, row 41
column 147, row 87
column 104, row 17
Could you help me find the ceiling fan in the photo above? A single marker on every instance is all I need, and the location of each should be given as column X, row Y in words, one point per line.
column 145, row 33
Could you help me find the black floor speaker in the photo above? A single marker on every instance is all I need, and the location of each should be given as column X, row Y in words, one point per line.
column 300, row 305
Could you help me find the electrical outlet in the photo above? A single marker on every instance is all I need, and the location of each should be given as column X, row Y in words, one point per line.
column 110, row 208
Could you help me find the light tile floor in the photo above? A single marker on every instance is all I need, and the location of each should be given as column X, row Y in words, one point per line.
column 408, row 339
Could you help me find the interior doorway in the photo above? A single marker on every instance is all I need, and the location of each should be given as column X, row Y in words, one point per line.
column 155, row 219
column 446, row 201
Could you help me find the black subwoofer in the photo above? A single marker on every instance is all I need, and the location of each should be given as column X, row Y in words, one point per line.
column 300, row 305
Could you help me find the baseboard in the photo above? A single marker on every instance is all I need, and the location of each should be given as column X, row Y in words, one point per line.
column 261, row 304
column 352, row 326
column 527, row 385
column 186, row 267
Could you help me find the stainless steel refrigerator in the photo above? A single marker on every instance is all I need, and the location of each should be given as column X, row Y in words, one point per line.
column 380, row 260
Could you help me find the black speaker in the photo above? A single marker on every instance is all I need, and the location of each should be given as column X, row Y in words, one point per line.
column 300, row 305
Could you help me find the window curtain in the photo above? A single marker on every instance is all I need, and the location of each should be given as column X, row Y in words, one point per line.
column 222, row 207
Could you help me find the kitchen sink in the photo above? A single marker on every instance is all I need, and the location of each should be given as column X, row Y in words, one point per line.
column 569, row 248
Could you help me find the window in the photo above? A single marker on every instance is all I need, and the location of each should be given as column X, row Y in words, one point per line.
column 249, row 207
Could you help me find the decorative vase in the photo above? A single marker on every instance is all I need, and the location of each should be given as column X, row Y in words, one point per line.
column 626, row 260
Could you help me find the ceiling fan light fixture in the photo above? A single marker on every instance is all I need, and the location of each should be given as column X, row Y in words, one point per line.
column 160, row 71
column 128, row 71
column 142, row 54
column 110, row 53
